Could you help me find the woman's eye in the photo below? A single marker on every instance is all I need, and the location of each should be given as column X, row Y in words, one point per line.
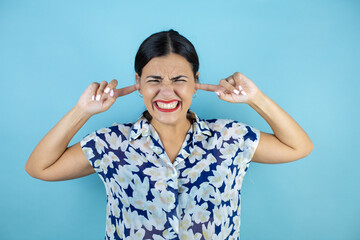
column 153, row 80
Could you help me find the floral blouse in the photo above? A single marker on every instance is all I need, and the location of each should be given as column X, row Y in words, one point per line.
column 196, row 197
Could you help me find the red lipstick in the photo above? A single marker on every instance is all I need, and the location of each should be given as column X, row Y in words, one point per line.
column 166, row 102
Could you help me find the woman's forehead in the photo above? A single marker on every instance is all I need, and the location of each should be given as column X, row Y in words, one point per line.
column 172, row 64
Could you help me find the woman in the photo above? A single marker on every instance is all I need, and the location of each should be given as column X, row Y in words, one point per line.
column 170, row 174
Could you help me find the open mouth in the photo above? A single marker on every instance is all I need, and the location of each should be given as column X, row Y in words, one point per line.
column 167, row 106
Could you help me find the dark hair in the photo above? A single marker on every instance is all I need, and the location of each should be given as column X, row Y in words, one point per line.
column 162, row 44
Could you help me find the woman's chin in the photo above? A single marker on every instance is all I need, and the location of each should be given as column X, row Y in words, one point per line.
column 168, row 118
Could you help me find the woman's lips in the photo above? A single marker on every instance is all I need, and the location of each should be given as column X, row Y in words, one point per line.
column 167, row 106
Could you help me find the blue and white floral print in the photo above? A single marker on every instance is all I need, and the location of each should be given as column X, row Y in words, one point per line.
column 196, row 197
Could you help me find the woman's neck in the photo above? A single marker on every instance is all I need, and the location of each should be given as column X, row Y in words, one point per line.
column 172, row 132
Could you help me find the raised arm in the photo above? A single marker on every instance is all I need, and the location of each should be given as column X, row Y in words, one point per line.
column 289, row 142
column 52, row 159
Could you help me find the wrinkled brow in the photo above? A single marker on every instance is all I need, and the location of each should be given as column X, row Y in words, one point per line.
column 160, row 78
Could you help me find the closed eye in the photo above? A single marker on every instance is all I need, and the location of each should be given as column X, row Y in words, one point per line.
column 153, row 80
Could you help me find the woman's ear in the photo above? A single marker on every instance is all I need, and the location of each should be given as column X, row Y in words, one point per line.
column 137, row 78
column 196, row 80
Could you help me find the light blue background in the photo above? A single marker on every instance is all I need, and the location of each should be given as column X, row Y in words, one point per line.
column 303, row 54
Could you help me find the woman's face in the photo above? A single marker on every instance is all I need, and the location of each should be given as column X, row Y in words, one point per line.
column 167, row 85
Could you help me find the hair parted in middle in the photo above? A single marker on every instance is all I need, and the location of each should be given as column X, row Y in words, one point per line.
column 162, row 44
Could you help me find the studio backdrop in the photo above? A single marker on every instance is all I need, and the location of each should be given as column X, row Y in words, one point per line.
column 304, row 55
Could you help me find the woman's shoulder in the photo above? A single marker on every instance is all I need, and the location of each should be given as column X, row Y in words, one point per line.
column 122, row 128
column 116, row 129
column 231, row 127
column 223, row 122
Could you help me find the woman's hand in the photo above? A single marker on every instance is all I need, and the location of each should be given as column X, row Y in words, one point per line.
column 289, row 141
column 235, row 89
column 98, row 98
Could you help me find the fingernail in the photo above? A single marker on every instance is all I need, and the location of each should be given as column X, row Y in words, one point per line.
column 107, row 90
column 236, row 91
column 217, row 93
column 240, row 88
column 112, row 92
column 243, row 93
column 93, row 97
column 98, row 97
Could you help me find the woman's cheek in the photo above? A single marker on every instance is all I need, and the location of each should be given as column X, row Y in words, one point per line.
column 150, row 91
column 188, row 91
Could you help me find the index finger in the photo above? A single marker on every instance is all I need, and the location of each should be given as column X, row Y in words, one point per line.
column 124, row 91
column 207, row 87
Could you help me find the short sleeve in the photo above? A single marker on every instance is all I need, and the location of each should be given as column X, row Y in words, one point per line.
column 249, row 138
column 94, row 146
column 251, row 141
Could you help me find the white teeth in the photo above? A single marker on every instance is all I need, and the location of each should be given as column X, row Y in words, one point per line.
column 167, row 106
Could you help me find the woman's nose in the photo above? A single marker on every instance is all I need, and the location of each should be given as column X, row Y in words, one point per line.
column 167, row 88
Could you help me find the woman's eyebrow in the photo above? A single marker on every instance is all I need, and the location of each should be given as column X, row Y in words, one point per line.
column 153, row 76
column 159, row 77
column 177, row 77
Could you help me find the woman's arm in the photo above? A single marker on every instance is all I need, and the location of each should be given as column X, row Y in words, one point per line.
column 289, row 141
column 51, row 159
